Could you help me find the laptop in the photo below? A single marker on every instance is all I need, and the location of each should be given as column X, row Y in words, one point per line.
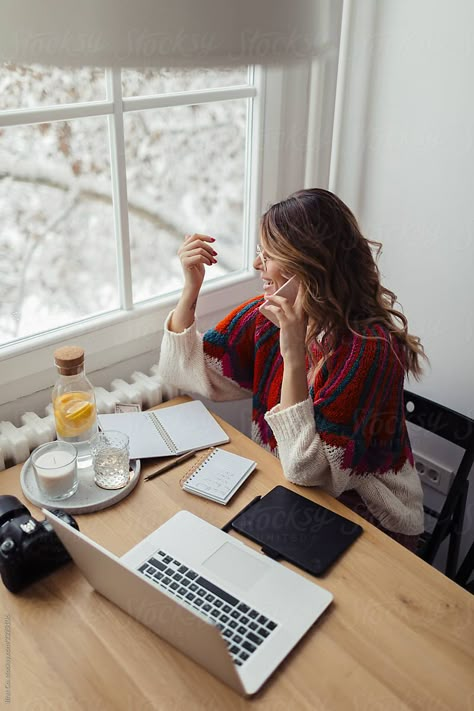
column 229, row 608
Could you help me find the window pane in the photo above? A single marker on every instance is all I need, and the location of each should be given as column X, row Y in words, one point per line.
column 185, row 172
column 57, row 249
column 165, row 81
column 26, row 87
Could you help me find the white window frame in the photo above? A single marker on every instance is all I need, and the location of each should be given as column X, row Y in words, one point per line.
column 292, row 109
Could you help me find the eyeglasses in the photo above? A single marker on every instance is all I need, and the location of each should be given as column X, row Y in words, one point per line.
column 261, row 256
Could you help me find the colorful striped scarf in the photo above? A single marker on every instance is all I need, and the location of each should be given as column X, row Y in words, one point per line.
column 357, row 394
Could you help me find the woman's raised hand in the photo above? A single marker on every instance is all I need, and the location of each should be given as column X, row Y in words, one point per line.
column 195, row 254
column 293, row 323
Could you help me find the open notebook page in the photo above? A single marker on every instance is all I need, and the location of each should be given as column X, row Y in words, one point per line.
column 167, row 431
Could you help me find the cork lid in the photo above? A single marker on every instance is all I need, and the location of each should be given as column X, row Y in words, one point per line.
column 69, row 359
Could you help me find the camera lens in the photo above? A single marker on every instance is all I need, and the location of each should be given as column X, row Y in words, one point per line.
column 7, row 546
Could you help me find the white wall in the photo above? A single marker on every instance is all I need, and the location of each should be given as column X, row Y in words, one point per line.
column 405, row 165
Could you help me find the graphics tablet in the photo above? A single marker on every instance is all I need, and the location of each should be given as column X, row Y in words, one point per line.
column 290, row 526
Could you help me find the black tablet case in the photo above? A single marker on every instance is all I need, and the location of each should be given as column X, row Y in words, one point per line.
column 290, row 526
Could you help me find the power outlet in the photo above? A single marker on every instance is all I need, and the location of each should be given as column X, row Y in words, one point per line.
column 433, row 474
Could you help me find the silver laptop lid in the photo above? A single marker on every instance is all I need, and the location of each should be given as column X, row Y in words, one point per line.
column 168, row 617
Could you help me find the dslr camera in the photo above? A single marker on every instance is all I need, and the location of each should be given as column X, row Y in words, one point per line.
column 29, row 549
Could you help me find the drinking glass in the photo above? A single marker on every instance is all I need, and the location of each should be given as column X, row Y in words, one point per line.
column 110, row 459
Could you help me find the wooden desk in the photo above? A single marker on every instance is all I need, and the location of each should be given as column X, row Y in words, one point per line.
column 399, row 635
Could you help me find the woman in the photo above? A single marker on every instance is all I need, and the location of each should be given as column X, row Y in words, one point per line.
column 327, row 384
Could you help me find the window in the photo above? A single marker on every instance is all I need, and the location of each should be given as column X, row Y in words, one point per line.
column 103, row 172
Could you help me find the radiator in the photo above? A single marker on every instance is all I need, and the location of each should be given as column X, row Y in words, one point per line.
column 16, row 443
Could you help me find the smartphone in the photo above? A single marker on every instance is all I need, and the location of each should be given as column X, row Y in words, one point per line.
column 289, row 290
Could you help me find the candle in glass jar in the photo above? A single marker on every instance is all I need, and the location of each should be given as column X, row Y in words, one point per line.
column 55, row 466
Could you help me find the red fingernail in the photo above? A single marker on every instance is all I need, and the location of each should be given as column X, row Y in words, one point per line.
column 213, row 239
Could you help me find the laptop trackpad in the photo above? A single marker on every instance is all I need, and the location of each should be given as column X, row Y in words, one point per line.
column 236, row 566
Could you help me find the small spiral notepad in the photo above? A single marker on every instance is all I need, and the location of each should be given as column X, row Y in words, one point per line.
column 217, row 475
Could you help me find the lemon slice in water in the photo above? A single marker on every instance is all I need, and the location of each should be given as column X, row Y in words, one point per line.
column 78, row 411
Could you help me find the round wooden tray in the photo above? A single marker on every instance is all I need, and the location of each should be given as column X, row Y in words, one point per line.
column 88, row 497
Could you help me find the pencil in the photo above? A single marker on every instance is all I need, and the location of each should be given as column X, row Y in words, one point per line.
column 170, row 465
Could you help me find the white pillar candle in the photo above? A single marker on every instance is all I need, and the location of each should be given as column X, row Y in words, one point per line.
column 56, row 473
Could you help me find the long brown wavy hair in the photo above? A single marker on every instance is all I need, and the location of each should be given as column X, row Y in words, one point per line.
column 315, row 236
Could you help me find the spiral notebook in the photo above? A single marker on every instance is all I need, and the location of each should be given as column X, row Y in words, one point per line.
column 169, row 430
column 217, row 475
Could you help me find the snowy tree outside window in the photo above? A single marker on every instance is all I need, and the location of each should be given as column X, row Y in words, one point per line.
column 185, row 172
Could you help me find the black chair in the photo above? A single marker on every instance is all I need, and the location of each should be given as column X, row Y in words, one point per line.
column 463, row 576
column 458, row 429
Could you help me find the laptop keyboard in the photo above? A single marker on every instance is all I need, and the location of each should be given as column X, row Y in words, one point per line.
column 243, row 627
